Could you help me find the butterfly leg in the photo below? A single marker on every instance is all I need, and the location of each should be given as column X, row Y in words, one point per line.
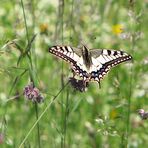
column 73, row 72
column 99, row 84
column 98, row 80
column 85, row 82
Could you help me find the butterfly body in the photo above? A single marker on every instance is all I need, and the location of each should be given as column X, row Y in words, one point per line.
column 91, row 64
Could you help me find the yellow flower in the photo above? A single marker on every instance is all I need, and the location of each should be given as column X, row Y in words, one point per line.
column 43, row 28
column 117, row 29
column 113, row 114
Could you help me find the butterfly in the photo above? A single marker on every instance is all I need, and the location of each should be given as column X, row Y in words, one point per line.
column 91, row 65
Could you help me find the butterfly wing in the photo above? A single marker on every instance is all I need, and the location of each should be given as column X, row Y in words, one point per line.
column 71, row 55
column 104, row 59
column 63, row 52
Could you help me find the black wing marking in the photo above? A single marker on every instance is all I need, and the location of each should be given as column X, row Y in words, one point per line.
column 64, row 52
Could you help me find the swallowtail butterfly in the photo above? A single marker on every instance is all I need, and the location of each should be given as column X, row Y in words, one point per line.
column 91, row 64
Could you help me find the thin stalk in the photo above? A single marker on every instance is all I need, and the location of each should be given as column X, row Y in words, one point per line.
column 24, row 15
column 38, row 126
column 66, row 117
column 39, row 118
column 62, row 19
column 33, row 4
column 30, row 62
column 71, row 20
column 33, row 53
column 133, row 43
column 61, row 15
column 129, row 96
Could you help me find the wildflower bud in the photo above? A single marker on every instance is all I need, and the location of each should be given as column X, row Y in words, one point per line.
column 125, row 36
column 90, row 129
column 39, row 99
column 1, row 138
column 44, row 28
column 145, row 61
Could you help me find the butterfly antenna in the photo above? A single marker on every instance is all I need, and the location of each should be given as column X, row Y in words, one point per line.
column 83, row 44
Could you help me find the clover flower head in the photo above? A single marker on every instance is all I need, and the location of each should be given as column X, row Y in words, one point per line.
column 33, row 93
column 78, row 84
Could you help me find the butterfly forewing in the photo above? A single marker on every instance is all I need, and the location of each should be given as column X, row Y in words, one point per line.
column 72, row 55
column 64, row 52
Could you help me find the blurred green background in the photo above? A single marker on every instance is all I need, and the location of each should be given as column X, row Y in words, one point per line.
column 106, row 117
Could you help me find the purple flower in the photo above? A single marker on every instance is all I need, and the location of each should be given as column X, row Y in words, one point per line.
column 1, row 138
column 79, row 85
column 143, row 114
column 33, row 93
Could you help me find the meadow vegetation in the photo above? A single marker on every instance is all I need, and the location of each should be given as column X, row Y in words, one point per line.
column 105, row 117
